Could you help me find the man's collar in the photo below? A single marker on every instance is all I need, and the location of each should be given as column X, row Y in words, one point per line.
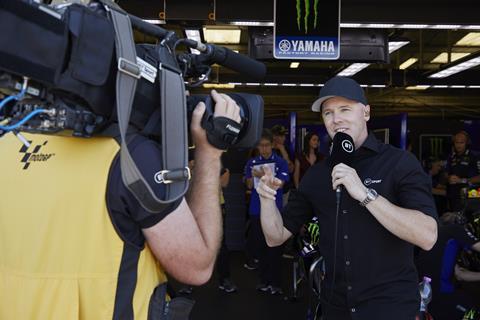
column 371, row 143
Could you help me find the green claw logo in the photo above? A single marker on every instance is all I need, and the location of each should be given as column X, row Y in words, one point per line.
column 314, row 232
column 306, row 14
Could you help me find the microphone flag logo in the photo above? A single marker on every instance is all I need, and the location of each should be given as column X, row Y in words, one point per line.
column 347, row 146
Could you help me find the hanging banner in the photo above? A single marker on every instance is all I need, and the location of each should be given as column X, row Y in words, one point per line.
column 306, row 29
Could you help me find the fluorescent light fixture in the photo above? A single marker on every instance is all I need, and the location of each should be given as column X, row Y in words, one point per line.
column 219, row 85
column 252, row 84
column 474, row 87
column 443, row 57
column 395, row 45
column 294, row 65
column 154, row 21
column 224, row 35
column 456, row 68
column 236, row 83
column 471, row 39
column 252, row 23
column 440, row 86
column 407, row 63
column 289, row 84
column 457, row 87
column 307, row 85
column 379, row 25
column 353, row 69
column 377, row 86
column 271, row 84
column 418, row 87
column 369, row 25
column 410, row 26
column 350, row 25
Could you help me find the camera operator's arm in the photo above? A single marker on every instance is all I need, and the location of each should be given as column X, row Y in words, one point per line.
column 187, row 240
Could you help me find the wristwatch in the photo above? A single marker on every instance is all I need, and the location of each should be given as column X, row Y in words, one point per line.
column 371, row 195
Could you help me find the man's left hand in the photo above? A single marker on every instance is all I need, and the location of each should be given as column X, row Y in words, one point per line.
column 348, row 177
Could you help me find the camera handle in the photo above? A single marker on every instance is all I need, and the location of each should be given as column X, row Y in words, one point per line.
column 222, row 132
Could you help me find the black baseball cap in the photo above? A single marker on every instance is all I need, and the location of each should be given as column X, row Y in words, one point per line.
column 340, row 87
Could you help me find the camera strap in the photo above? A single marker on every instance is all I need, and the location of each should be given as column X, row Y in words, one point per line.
column 175, row 172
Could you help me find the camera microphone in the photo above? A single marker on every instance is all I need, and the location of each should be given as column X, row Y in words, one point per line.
column 235, row 61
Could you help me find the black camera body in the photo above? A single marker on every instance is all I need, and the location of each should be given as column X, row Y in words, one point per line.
column 68, row 55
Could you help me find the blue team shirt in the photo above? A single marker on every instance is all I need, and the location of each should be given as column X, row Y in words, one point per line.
column 281, row 172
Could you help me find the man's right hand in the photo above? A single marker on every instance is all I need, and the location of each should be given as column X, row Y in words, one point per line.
column 268, row 185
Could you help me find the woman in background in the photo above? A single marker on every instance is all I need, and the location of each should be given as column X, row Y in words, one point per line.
column 308, row 157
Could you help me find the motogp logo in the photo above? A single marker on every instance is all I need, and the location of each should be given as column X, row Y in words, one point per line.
column 347, row 146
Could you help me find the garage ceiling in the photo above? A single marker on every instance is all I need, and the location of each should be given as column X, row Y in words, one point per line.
column 457, row 96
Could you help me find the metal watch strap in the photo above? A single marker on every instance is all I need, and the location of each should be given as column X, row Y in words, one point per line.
column 369, row 198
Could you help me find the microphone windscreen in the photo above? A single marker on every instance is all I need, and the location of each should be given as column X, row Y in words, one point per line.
column 342, row 150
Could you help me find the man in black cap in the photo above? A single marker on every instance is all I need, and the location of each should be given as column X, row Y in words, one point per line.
column 386, row 208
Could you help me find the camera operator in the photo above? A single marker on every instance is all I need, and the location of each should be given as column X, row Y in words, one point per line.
column 75, row 242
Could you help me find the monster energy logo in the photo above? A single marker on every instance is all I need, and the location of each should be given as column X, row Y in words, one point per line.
column 306, row 14
column 314, row 232
column 436, row 146
column 470, row 314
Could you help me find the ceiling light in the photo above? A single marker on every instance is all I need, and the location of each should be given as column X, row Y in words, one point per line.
column 352, row 69
column 443, row 57
column 378, row 25
column 471, row 39
column 407, row 63
column 395, row 45
column 350, row 25
column 252, row 23
column 409, row 26
column 377, row 86
column 219, row 85
column 306, row 85
column 222, row 35
column 294, row 65
column 418, row 87
column 270, row 84
column 470, row 63
column 253, row 84
column 289, row 84
column 154, row 21
column 412, row 26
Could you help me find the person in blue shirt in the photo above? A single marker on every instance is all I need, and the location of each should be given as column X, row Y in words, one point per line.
column 254, row 170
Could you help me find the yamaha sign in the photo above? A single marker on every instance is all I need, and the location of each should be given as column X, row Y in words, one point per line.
column 307, row 29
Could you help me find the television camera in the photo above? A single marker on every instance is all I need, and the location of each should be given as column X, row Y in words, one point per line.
column 73, row 66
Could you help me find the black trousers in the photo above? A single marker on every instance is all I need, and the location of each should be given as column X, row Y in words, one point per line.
column 223, row 261
column 223, row 258
column 380, row 308
column 270, row 257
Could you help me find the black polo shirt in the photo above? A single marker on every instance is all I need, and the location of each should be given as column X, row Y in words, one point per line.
column 375, row 274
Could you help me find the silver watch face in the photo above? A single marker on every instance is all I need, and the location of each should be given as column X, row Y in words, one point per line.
column 372, row 194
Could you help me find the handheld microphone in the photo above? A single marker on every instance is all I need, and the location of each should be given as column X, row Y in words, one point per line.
column 342, row 152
